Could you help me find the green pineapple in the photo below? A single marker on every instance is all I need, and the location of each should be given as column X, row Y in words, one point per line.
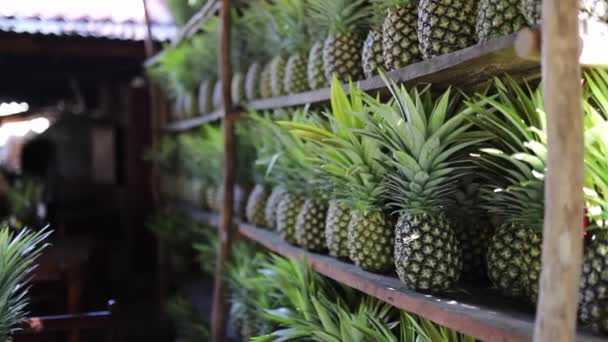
column 351, row 162
column 310, row 225
column 445, row 26
column 277, row 75
column 255, row 45
column 270, row 211
column 287, row 213
column 594, row 283
column 237, row 88
column 315, row 73
column 496, row 18
column 515, row 190
column 252, row 81
column 336, row 229
column 218, row 101
column 422, row 180
column 265, row 85
column 204, row 48
column 296, row 80
column 255, row 206
column 205, row 96
column 400, row 34
column 371, row 56
column 296, row 44
column 345, row 22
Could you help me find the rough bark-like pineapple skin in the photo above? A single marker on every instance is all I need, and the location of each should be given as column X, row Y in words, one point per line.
column 370, row 241
column 205, row 97
column 400, row 37
column 496, row 18
column 371, row 56
column 474, row 236
column 287, row 214
column 342, row 57
column 445, row 26
column 336, row 230
column 427, row 253
column 315, row 72
column 310, row 225
column 272, row 204
column 277, row 75
column 265, row 87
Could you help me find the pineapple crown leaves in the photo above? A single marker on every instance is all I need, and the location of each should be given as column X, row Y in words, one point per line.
column 18, row 252
column 515, row 161
column 174, row 71
column 426, row 139
column 340, row 16
column 596, row 146
column 350, row 160
column 188, row 324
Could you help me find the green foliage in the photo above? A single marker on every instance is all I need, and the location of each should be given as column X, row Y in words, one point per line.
column 164, row 154
column 18, row 253
column 188, row 324
column 340, row 16
column 183, row 10
column 177, row 230
column 207, row 250
column 23, row 197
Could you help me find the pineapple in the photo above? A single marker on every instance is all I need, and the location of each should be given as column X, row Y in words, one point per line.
column 594, row 282
column 256, row 205
column 344, row 21
column 336, row 229
column 252, row 81
column 287, row 213
column 205, row 97
column 310, row 225
column 295, row 74
column 445, row 26
column 270, row 211
column 265, row 85
column 400, row 34
column 421, row 182
column 297, row 44
column 351, row 162
column 314, row 71
column 497, row 18
column 532, row 9
column 237, row 88
column 210, row 197
column 515, row 189
column 218, row 101
column 277, row 75
column 371, row 56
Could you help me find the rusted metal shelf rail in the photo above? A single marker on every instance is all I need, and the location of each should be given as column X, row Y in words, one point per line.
column 477, row 312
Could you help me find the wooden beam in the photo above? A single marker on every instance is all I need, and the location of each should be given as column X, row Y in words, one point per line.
column 562, row 233
column 226, row 229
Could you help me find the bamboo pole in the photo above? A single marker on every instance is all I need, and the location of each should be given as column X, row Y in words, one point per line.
column 226, row 227
column 562, row 232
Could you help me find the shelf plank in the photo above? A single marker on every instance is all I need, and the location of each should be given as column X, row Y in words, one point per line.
column 193, row 123
column 477, row 312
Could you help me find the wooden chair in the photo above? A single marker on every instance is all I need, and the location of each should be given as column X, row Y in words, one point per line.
column 35, row 328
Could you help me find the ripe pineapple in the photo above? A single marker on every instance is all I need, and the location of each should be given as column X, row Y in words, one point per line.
column 252, row 81
column 295, row 74
column 594, row 280
column 314, row 71
column 445, row 26
column 336, row 229
column 265, row 85
column 237, row 88
column 287, row 213
column 270, row 211
column 277, row 75
column 351, row 162
column 516, row 163
column 205, row 97
column 344, row 21
column 497, row 18
column 372, row 57
column 421, row 180
column 400, row 34
column 256, row 205
column 310, row 225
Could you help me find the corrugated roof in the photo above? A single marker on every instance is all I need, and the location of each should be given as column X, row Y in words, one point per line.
column 112, row 19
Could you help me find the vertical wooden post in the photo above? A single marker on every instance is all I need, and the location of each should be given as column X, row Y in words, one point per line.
column 562, row 241
column 226, row 227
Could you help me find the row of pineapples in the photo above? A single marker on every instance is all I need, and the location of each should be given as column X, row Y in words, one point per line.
column 438, row 188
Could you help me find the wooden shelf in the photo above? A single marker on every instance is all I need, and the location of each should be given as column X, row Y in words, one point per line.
column 477, row 312
column 192, row 123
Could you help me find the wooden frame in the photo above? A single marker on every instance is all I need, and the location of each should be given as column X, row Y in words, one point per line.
column 517, row 54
